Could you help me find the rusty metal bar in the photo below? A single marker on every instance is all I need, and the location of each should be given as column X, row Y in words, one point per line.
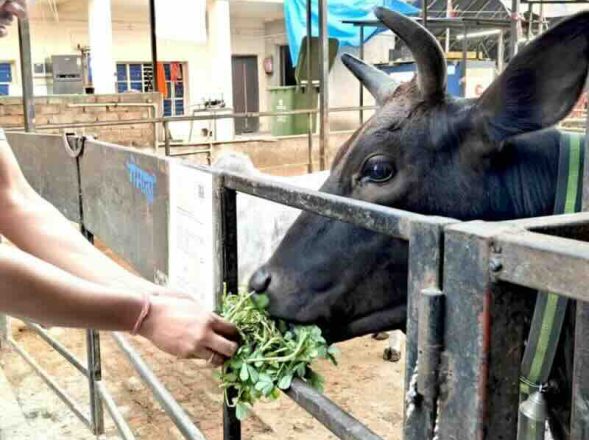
column 529, row 259
column 390, row 221
column 339, row 422
column 467, row 334
column 426, row 245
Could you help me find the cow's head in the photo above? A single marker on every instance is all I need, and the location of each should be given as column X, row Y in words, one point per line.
column 422, row 151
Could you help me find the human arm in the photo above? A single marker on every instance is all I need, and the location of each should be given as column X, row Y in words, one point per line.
column 33, row 288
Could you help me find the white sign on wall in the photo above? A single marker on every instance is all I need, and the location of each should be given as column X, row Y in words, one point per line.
column 191, row 234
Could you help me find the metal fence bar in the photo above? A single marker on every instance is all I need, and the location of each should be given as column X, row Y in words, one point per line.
column 113, row 410
column 230, row 278
column 209, row 117
column 529, row 259
column 424, row 263
column 159, row 391
column 339, row 422
column 465, row 363
column 373, row 217
column 94, row 377
column 52, row 384
column 57, row 346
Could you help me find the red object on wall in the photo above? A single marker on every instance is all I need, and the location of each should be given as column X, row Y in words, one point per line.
column 175, row 72
column 161, row 85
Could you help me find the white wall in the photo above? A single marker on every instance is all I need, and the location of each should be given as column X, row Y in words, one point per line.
column 249, row 35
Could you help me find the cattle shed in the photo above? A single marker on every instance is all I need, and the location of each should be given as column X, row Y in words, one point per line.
column 159, row 209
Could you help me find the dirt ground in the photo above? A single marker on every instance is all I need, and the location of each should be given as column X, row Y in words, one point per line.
column 363, row 384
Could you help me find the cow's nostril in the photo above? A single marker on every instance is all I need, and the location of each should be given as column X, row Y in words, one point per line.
column 260, row 280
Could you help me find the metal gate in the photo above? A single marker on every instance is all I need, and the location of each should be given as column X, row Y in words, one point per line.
column 457, row 329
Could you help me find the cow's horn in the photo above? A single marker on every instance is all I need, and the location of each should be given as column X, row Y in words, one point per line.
column 428, row 54
column 378, row 83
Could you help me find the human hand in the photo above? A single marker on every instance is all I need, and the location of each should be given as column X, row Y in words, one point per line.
column 8, row 10
column 180, row 327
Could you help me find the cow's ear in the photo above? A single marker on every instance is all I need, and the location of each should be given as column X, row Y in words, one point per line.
column 541, row 84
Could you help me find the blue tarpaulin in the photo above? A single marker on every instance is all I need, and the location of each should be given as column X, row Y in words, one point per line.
column 295, row 17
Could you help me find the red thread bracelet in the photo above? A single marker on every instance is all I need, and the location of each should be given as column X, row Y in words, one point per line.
column 143, row 315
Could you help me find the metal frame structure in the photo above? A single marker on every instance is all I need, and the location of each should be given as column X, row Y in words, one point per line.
column 467, row 313
column 88, row 158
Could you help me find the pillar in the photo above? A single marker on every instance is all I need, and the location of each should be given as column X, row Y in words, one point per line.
column 102, row 65
column 221, row 77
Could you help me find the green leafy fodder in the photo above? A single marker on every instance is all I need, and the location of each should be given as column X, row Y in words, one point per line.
column 271, row 355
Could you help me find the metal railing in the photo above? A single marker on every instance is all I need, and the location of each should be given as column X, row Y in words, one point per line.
column 458, row 329
column 423, row 233
column 205, row 147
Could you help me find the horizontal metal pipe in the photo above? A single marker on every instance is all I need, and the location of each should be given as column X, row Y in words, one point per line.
column 52, row 384
column 389, row 221
column 162, row 395
column 554, row 264
column 113, row 410
column 56, row 345
column 208, row 117
column 114, row 104
column 343, row 425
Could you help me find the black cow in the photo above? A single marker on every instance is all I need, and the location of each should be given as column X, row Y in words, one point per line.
column 491, row 158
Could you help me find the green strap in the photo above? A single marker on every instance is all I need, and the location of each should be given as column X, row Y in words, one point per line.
column 550, row 309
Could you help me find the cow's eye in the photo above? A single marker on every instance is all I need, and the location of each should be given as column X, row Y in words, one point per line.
column 378, row 169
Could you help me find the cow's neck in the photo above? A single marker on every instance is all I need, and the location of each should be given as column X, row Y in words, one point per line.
column 523, row 181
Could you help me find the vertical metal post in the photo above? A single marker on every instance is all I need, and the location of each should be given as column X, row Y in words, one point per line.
column 464, row 61
column 310, row 85
column 515, row 30
column 580, row 386
column 361, row 86
column 231, row 425
column 153, row 36
column 483, row 338
column 324, row 84
column 424, row 7
column 449, row 14
column 167, row 140
column 530, row 21
column 425, row 262
column 310, row 116
column 94, row 369
column 26, row 68
column 500, row 52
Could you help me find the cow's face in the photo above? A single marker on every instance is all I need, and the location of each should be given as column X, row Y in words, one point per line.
column 422, row 151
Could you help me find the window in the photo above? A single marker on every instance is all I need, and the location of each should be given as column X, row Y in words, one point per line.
column 5, row 78
column 138, row 77
column 174, row 101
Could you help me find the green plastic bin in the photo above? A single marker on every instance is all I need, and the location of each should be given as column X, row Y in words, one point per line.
column 292, row 98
